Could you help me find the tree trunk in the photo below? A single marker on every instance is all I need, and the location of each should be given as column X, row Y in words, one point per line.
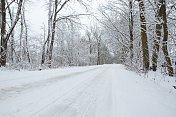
column 53, row 33
column 131, row 31
column 0, row 14
column 98, row 49
column 11, row 14
column 45, row 52
column 144, row 36
column 54, row 21
column 3, row 34
column 26, row 39
column 158, row 37
column 156, row 47
column 165, row 38
column 21, row 36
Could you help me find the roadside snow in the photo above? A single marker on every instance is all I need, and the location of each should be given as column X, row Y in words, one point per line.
column 95, row 91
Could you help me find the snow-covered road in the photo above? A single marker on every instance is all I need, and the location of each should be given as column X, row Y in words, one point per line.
column 96, row 91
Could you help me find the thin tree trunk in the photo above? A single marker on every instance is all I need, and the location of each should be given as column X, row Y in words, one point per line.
column 90, row 50
column 45, row 55
column 3, row 34
column 21, row 36
column 26, row 38
column 98, row 59
column 11, row 14
column 43, row 51
column 53, row 33
column 131, row 30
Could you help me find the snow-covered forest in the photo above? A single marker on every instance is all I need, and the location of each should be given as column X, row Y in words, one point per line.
column 137, row 33
column 88, row 58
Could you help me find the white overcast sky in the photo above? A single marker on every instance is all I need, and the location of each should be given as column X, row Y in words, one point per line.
column 36, row 13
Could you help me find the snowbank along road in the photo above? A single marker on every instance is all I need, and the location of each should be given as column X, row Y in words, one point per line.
column 96, row 91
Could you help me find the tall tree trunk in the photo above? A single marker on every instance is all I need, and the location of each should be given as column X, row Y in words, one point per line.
column 158, row 36
column 144, row 36
column 45, row 51
column 53, row 33
column 131, row 30
column 21, row 36
column 165, row 38
column 3, row 34
column 26, row 38
column 0, row 14
column 11, row 14
column 25, row 26
column 54, row 21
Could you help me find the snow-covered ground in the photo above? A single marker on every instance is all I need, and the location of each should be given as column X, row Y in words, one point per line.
column 95, row 91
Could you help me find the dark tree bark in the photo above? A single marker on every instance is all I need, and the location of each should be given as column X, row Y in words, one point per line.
column 98, row 49
column 3, row 34
column 144, row 36
column 11, row 14
column 43, row 51
column 131, row 30
column 0, row 14
column 158, row 36
column 161, row 22
column 165, row 38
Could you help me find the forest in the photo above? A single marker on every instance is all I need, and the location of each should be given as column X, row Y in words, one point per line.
column 140, row 34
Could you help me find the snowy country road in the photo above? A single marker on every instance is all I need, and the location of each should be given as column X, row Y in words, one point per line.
column 96, row 91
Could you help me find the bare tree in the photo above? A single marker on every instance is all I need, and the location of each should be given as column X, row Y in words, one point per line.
column 26, row 50
column 5, row 35
column 57, row 9
column 45, row 51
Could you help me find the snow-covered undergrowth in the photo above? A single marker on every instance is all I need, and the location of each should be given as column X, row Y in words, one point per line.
column 163, row 80
column 159, row 77
column 94, row 91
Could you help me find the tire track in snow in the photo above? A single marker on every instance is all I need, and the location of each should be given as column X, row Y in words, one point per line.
column 67, row 107
column 9, row 91
column 85, row 99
